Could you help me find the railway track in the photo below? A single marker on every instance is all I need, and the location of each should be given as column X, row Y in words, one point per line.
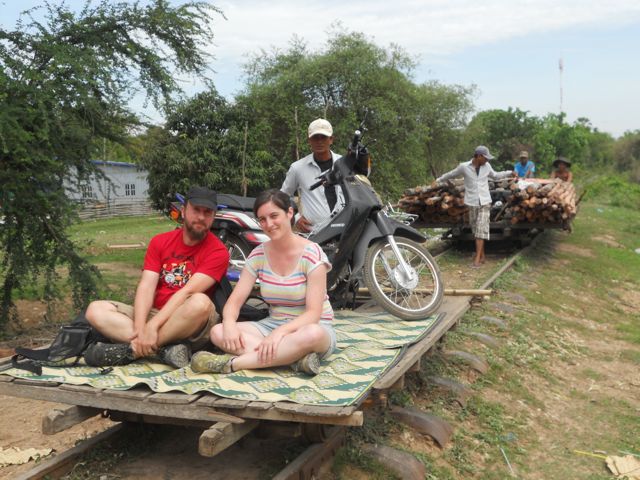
column 312, row 460
column 325, row 439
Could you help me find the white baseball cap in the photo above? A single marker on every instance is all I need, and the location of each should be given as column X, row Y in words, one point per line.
column 320, row 127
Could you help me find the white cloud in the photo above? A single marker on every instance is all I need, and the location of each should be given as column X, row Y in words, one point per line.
column 428, row 28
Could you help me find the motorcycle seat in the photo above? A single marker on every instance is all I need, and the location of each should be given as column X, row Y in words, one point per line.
column 235, row 202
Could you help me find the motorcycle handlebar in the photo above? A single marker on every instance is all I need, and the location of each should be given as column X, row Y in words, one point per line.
column 356, row 140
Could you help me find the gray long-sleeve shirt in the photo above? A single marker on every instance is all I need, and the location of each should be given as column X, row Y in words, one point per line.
column 476, row 185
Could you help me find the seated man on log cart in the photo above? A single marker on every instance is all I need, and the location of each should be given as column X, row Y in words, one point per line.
column 524, row 167
column 476, row 173
column 561, row 169
column 172, row 312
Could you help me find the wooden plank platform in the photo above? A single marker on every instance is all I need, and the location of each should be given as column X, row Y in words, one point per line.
column 454, row 308
column 207, row 407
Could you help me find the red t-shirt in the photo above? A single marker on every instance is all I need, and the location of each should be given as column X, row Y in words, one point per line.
column 176, row 262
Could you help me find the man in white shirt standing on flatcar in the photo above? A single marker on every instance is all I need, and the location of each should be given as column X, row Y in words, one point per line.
column 476, row 173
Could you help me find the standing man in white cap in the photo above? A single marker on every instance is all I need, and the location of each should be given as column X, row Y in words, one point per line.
column 476, row 173
column 317, row 205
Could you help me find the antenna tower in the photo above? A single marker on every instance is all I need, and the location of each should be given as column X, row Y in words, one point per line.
column 561, row 68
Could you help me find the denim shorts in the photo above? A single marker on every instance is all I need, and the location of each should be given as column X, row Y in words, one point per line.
column 268, row 325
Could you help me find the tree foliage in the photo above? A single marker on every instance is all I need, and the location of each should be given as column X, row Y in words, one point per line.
column 507, row 132
column 202, row 143
column 65, row 82
column 626, row 153
column 410, row 123
column 443, row 112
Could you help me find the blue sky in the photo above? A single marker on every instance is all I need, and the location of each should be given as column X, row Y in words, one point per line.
column 508, row 48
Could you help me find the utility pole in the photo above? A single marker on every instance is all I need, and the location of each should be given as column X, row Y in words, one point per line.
column 295, row 119
column 561, row 68
column 244, row 182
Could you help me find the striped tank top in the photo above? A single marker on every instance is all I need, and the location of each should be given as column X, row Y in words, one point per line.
column 286, row 295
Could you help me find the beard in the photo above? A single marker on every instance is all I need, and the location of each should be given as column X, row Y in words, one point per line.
column 197, row 235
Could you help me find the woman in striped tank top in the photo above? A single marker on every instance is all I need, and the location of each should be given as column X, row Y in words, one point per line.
column 293, row 281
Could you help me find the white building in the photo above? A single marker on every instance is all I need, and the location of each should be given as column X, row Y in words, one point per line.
column 122, row 191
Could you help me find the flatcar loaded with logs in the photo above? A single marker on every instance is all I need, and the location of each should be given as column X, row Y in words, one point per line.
column 520, row 208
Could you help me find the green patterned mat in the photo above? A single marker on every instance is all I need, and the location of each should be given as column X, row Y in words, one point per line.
column 368, row 344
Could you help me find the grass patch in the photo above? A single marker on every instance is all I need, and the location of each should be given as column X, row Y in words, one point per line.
column 631, row 356
column 630, row 329
column 119, row 268
column 349, row 460
column 592, row 374
column 549, row 390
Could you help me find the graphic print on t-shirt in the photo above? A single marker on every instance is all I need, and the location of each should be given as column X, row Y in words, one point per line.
column 177, row 274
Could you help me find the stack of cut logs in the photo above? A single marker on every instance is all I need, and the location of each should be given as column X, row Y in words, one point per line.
column 524, row 201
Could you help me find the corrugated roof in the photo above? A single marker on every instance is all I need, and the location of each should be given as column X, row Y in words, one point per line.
column 115, row 164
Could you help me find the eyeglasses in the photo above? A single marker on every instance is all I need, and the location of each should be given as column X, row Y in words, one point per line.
column 318, row 136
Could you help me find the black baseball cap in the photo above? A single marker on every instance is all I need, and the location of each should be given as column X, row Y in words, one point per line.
column 203, row 197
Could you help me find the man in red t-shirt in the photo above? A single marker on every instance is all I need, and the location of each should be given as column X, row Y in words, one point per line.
column 172, row 312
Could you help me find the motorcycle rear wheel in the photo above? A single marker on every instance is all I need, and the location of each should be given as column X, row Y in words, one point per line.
column 408, row 299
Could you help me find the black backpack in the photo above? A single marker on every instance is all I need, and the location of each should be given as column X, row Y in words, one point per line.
column 248, row 313
column 65, row 350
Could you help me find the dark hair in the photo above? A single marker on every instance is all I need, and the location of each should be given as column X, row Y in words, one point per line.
column 278, row 197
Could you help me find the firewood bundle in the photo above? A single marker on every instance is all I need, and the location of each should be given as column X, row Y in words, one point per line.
column 525, row 201
column 542, row 201
column 443, row 203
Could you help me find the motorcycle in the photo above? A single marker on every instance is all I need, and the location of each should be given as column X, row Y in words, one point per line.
column 237, row 227
column 366, row 245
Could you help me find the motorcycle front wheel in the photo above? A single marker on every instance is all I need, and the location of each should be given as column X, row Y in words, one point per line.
column 409, row 297
column 239, row 250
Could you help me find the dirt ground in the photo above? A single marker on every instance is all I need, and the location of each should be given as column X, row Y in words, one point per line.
column 21, row 427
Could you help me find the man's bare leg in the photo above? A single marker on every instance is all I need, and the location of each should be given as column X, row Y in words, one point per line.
column 479, row 259
column 187, row 320
column 104, row 317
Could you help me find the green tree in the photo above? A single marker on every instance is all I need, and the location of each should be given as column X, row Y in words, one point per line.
column 65, row 82
column 202, row 143
column 626, row 152
column 286, row 90
column 509, row 131
column 443, row 112
column 557, row 138
column 506, row 133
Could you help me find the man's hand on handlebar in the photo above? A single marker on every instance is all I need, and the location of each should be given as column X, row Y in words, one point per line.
column 303, row 225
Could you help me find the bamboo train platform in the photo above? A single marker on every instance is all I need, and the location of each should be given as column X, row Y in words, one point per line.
column 207, row 410
column 224, row 421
